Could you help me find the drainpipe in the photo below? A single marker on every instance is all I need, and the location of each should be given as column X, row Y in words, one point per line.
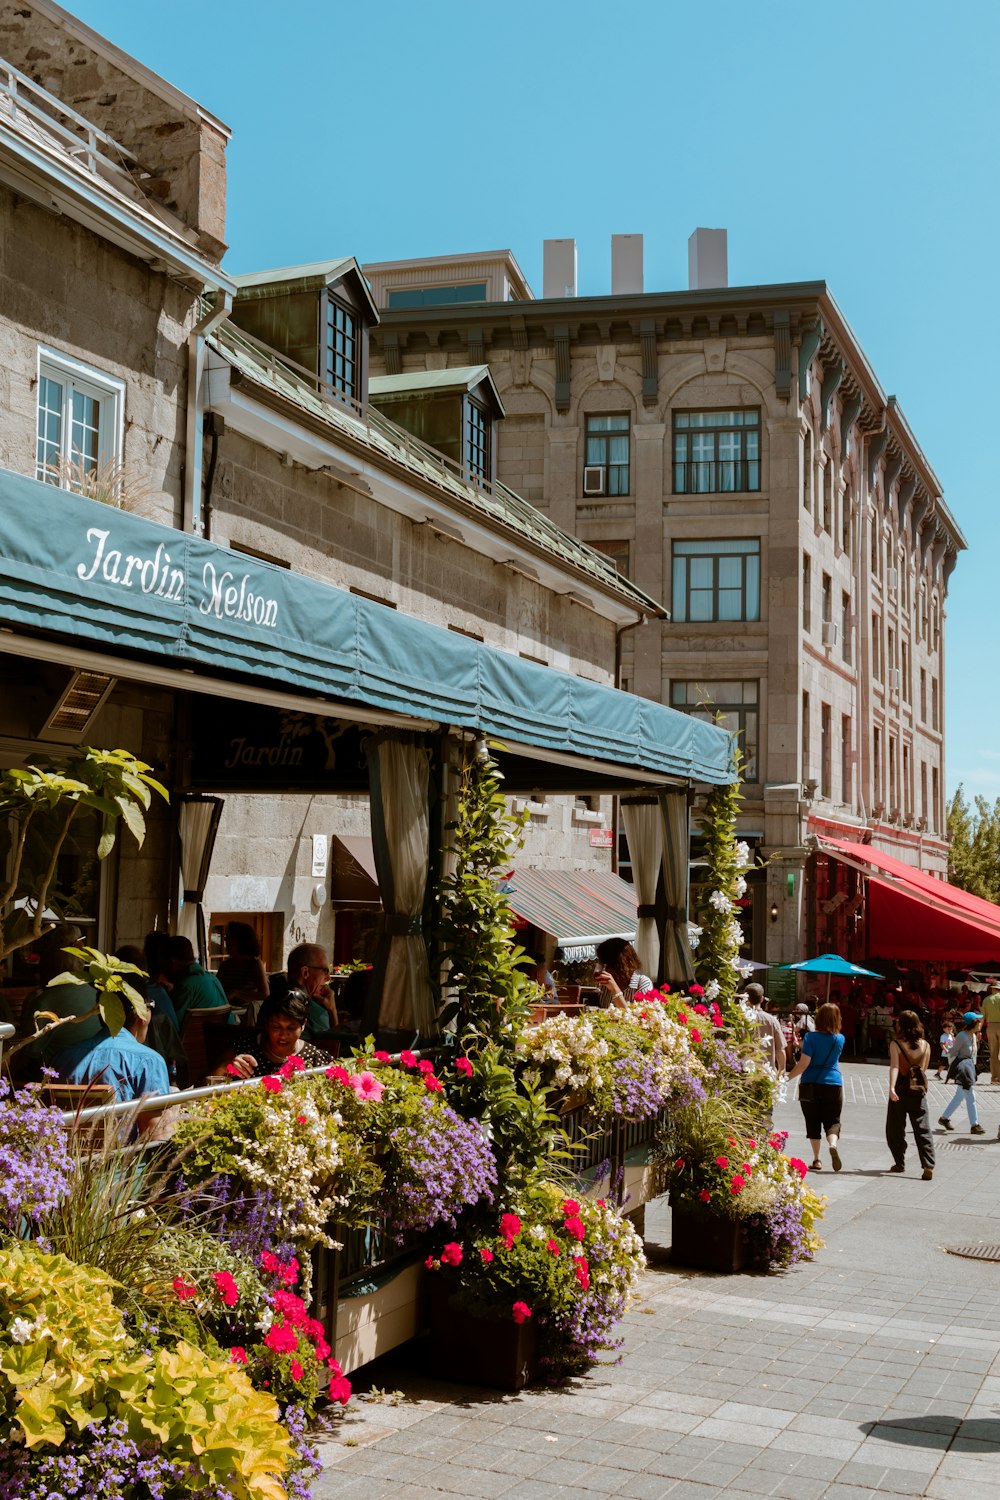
column 192, row 519
column 615, row 808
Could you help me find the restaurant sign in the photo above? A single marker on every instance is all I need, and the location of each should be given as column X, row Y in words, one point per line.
column 602, row 838
column 248, row 747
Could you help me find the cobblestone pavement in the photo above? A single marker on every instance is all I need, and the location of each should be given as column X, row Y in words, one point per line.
column 876, row 1368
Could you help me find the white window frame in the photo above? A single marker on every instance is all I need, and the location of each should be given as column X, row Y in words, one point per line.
column 107, row 390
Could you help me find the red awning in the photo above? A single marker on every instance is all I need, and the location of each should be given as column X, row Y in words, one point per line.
column 913, row 915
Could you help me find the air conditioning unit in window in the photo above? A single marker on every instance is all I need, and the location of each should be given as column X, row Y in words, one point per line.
column 831, row 633
column 894, row 680
column 594, row 479
column 893, row 579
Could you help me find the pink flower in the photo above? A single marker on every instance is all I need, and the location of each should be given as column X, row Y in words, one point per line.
column 695, row 989
column 486, row 1255
column 291, row 1065
column 722, row 1161
column 752, row 1144
column 425, row 1065
column 408, row 1059
column 553, row 1247
column 570, row 1206
column 339, row 1075
column 574, row 1226
column 747, row 1171
column 432, row 1084
column 296, row 1371
column 451, row 1255
column 510, row 1227
column 322, row 1349
column 282, row 1338
column 463, row 1065
column 226, row 1287
column 695, row 1035
column 382, row 1057
column 335, row 1366
column 682, row 1017
column 340, row 1390
column 183, row 1289
column 367, row 1086
column 521, row 1312
column 270, row 1261
column 314, row 1330
column 233, row 1069
column 701, row 1009
column 272, row 1084
column 797, row 1165
column 238, row 1354
column 290, row 1272
column 301, row 1120
column 432, row 1264
column 291, row 1307
column 602, row 1203
column 582, row 1270
column 705, row 1196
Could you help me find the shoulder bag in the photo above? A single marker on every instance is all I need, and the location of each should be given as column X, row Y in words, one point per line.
column 914, row 1082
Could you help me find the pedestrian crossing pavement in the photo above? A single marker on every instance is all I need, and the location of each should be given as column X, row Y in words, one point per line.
column 865, row 1084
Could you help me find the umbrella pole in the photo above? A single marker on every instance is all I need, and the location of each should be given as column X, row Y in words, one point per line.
column 828, row 978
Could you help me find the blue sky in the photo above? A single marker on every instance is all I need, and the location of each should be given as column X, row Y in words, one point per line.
column 856, row 143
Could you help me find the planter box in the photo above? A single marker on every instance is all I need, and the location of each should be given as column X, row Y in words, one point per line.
column 479, row 1351
column 706, row 1241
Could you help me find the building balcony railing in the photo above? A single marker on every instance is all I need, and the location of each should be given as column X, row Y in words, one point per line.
column 22, row 100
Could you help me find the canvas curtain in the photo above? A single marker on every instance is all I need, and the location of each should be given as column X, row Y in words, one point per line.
column 197, row 826
column 676, row 963
column 399, row 774
column 644, row 832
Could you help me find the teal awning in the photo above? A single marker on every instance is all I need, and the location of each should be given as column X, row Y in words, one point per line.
column 98, row 575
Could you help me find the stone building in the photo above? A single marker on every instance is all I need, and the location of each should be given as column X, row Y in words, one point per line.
column 217, row 552
column 732, row 450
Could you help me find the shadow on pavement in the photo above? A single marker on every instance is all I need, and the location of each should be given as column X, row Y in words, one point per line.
column 973, row 1435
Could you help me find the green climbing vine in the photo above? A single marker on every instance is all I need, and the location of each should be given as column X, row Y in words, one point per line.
column 717, row 955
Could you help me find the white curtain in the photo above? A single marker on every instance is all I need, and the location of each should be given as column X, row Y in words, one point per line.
column 197, row 825
column 677, row 965
column 400, row 783
column 644, row 831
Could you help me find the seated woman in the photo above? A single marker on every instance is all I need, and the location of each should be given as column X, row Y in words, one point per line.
column 276, row 1038
column 242, row 973
column 618, row 972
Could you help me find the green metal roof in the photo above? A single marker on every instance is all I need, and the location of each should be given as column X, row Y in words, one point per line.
column 495, row 503
column 456, row 378
column 313, row 276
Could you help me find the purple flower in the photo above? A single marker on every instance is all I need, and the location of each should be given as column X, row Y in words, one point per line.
column 441, row 1165
column 35, row 1166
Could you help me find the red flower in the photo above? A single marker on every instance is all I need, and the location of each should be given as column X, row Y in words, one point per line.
column 574, row 1226
column 290, row 1272
column 722, row 1161
column 314, row 1329
column 425, row 1065
column 296, row 1371
column 291, row 1065
column 272, row 1084
column 338, row 1075
column 695, row 989
column 291, row 1307
column 226, row 1287
column 797, row 1165
column 408, row 1059
column 486, row 1255
column 747, row 1171
column 752, row 1144
column 340, row 1390
column 570, row 1206
column 322, row 1349
column 695, row 1035
column 183, row 1289
column 238, row 1354
column 233, row 1069
column 301, row 1119
column 510, row 1226
column 520, row 1312
column 682, row 1017
column 679, row 1164
column 701, row 1009
column 434, row 1085
column 705, row 1196
column 282, row 1338
column 602, row 1203
column 432, row 1264
column 382, row 1057
column 270, row 1261
column 553, row 1247
column 737, row 1185
column 335, row 1366
column 451, row 1255
column 582, row 1271
column 463, row 1065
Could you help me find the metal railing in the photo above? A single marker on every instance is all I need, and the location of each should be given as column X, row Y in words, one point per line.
column 91, row 146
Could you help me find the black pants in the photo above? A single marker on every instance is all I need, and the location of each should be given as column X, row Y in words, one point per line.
column 897, row 1113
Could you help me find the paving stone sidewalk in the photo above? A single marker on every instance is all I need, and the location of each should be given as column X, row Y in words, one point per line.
column 875, row 1369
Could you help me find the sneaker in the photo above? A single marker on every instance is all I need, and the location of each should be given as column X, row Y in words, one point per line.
column 835, row 1159
column 927, row 1174
column 977, row 1130
column 897, row 1167
column 946, row 1123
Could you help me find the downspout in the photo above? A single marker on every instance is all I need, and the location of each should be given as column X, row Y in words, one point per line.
column 615, row 808
column 192, row 519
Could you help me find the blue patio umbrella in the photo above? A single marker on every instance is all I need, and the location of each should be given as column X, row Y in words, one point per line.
column 830, row 964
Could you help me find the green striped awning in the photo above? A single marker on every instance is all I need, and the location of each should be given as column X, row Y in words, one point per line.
column 580, row 908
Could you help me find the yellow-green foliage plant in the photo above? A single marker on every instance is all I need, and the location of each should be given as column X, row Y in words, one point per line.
column 67, row 1360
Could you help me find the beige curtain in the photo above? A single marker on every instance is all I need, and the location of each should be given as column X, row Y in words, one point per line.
column 197, row 825
column 677, row 965
column 399, row 773
column 644, row 832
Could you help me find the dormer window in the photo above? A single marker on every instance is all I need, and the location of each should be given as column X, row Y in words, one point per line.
column 341, row 370
column 477, row 440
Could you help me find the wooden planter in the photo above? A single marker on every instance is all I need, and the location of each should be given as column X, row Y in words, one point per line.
column 497, row 1353
column 706, row 1241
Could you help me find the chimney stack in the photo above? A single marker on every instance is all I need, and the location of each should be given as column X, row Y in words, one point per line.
column 708, row 259
column 559, row 268
column 626, row 263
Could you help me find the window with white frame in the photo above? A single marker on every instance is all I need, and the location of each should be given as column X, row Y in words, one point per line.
column 80, row 420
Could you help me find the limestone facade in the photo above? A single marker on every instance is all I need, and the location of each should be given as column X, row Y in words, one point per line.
column 845, row 652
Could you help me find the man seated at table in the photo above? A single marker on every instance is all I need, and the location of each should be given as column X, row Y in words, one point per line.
column 195, row 988
column 124, row 1061
column 67, row 1001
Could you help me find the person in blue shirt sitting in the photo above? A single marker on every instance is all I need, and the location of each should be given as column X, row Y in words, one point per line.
column 124, row 1061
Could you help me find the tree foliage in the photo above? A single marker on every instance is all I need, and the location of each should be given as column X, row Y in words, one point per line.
column 974, row 856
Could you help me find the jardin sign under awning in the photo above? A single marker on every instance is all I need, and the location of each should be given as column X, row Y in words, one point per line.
column 98, row 575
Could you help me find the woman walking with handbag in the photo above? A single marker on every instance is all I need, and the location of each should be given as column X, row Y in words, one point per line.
column 962, row 1072
column 821, row 1092
column 909, row 1059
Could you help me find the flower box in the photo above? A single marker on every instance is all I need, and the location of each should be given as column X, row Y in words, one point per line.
column 706, row 1241
column 494, row 1352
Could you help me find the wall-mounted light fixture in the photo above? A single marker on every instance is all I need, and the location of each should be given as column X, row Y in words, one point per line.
column 774, row 911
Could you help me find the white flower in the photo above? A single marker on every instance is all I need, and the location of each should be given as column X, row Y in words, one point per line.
column 740, row 886
column 694, row 934
column 720, row 901
column 712, row 990
column 22, row 1331
column 741, row 854
column 537, row 1232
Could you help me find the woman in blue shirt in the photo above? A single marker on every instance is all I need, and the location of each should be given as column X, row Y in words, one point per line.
column 821, row 1092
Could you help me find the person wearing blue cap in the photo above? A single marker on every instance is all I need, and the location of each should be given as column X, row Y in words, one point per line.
column 962, row 1072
